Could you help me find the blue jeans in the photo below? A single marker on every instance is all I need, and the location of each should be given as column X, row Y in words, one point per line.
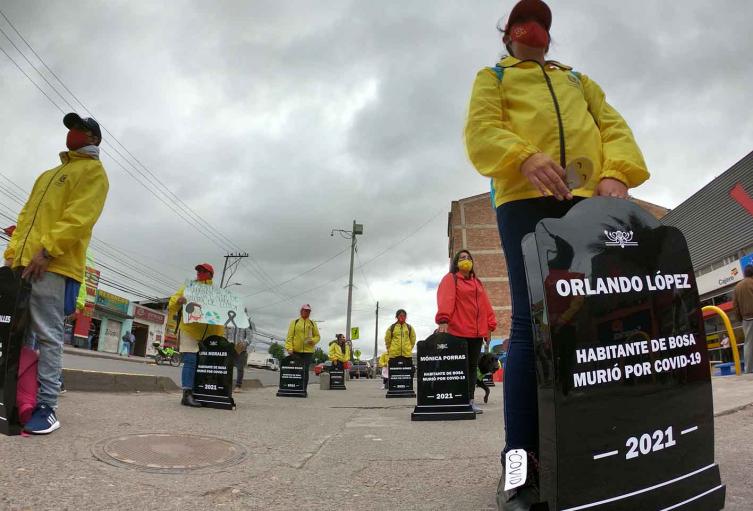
column 516, row 219
column 189, row 370
column 46, row 306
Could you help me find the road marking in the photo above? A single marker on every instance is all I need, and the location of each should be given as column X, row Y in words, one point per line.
column 689, row 430
column 605, row 455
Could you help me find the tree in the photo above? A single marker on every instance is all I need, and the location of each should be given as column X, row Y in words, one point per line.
column 277, row 351
column 319, row 356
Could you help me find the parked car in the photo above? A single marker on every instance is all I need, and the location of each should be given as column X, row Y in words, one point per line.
column 322, row 366
column 263, row 361
column 361, row 368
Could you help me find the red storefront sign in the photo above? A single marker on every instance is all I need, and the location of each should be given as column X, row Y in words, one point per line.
column 146, row 314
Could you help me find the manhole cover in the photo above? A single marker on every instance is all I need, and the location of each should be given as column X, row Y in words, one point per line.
column 168, row 453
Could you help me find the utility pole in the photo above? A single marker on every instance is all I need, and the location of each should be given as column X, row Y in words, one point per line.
column 232, row 266
column 351, row 235
column 376, row 338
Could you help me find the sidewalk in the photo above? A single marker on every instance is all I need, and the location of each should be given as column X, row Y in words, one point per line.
column 350, row 449
column 67, row 348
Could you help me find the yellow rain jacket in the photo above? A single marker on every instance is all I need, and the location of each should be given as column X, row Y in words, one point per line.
column 549, row 109
column 303, row 335
column 400, row 340
column 384, row 359
column 190, row 334
column 336, row 353
column 60, row 214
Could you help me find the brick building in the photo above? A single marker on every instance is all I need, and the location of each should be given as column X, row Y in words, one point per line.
column 472, row 225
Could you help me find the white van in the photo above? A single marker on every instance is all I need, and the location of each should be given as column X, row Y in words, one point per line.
column 263, row 361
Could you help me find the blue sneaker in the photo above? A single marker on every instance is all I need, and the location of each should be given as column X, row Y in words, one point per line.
column 43, row 421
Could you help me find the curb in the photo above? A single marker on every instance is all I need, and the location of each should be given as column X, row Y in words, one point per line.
column 730, row 411
column 107, row 356
column 98, row 381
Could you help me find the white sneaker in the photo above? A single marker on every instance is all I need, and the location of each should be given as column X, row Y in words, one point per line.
column 476, row 409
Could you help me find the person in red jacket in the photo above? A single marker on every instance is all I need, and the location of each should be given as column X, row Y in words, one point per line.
column 464, row 312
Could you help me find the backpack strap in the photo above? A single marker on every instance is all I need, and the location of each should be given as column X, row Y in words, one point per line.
column 499, row 71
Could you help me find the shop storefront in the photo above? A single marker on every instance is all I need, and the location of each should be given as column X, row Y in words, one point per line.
column 717, row 222
column 83, row 329
column 110, row 320
column 148, row 326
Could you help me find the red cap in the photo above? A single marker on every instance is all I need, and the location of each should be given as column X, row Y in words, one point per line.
column 530, row 9
column 205, row 267
column 9, row 230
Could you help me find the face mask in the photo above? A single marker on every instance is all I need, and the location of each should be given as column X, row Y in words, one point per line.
column 530, row 33
column 401, row 319
column 465, row 265
column 202, row 277
column 76, row 140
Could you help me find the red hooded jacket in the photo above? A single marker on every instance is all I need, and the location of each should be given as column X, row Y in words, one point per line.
column 464, row 305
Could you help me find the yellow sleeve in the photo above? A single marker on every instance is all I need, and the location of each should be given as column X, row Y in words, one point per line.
column 623, row 159
column 10, row 250
column 316, row 337
column 173, row 303
column 291, row 335
column 81, row 213
column 492, row 148
column 346, row 355
column 333, row 353
column 412, row 338
column 388, row 338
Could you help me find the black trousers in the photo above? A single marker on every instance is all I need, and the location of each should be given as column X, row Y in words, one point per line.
column 241, row 359
column 474, row 352
column 306, row 358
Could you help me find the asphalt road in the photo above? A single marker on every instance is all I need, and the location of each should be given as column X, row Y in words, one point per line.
column 72, row 361
column 349, row 449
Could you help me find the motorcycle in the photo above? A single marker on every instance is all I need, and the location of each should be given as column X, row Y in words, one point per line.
column 166, row 354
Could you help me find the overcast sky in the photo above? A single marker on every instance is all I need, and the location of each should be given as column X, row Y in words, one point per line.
column 279, row 121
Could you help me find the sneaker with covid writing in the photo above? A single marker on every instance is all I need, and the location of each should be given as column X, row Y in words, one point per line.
column 43, row 421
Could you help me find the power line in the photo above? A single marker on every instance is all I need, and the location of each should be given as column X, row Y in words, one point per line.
column 300, row 274
column 204, row 227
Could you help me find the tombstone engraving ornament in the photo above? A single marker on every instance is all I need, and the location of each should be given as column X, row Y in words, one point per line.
column 442, row 379
column 624, row 390
column 213, row 383
column 400, row 377
column 291, row 378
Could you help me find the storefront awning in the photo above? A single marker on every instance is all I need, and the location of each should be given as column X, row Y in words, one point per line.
column 113, row 313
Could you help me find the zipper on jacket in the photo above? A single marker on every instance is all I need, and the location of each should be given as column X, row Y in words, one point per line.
column 563, row 156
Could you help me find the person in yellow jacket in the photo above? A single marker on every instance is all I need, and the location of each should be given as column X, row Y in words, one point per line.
column 400, row 337
column 384, row 361
column 302, row 338
column 48, row 247
column 191, row 334
column 339, row 352
column 547, row 138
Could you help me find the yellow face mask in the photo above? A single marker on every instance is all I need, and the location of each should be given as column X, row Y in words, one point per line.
column 465, row 265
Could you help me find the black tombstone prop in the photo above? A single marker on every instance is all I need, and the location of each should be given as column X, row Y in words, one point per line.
column 442, row 380
column 400, row 380
column 213, row 383
column 14, row 314
column 292, row 378
column 337, row 379
column 624, row 390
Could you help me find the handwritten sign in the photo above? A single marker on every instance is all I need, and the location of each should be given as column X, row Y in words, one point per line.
column 212, row 305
